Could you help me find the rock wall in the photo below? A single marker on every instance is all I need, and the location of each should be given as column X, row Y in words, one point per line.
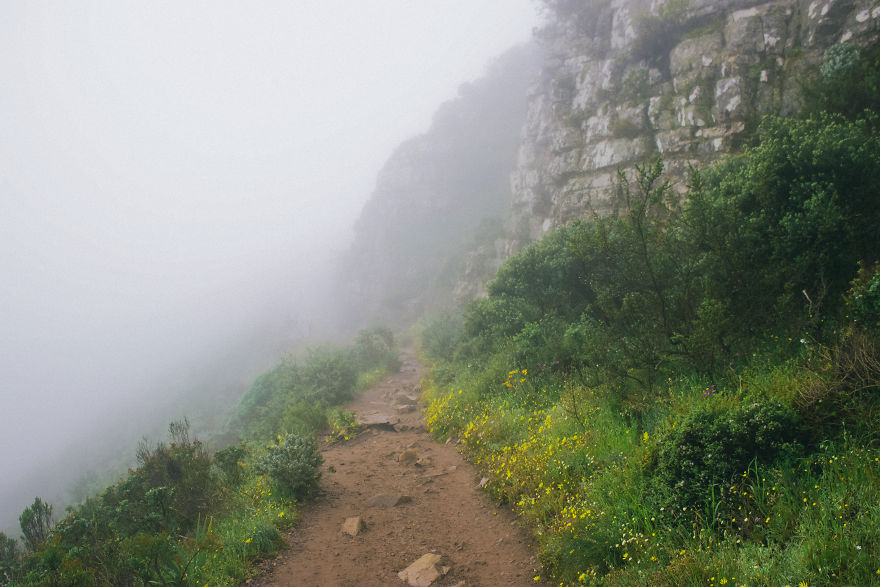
column 439, row 195
column 628, row 80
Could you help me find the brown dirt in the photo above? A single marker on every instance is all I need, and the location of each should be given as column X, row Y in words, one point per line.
column 447, row 513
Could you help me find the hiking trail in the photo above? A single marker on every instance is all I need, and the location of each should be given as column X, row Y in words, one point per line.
column 390, row 497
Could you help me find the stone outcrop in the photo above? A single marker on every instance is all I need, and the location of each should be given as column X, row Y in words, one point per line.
column 635, row 79
column 621, row 83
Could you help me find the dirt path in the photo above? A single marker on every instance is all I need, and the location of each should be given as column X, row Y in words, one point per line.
column 438, row 508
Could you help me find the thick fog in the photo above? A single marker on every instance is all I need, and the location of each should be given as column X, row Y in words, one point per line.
column 174, row 179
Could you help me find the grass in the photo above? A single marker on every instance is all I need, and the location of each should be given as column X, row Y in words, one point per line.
column 250, row 530
column 582, row 477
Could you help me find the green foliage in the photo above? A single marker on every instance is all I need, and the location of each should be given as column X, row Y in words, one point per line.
column 780, row 230
column 714, row 444
column 375, row 348
column 840, row 59
column 293, row 463
column 172, row 489
column 304, row 416
column 849, row 83
column 863, row 299
column 343, row 425
column 843, row 389
column 8, row 558
column 173, row 520
column 262, row 407
column 36, row 523
column 230, row 461
column 488, row 322
column 294, row 397
column 545, row 276
column 439, row 336
column 329, row 374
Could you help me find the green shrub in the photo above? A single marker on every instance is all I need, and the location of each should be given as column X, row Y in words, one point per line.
column 712, row 445
column 863, row 299
column 849, row 83
column 261, row 408
column 779, row 232
column 293, row 464
column 375, row 348
column 173, row 487
column 842, row 394
column 439, row 336
column 840, row 59
column 304, row 417
column 8, row 557
column 329, row 375
column 230, row 461
column 343, row 425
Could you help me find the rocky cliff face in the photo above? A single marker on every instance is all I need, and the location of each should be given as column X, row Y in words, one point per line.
column 439, row 195
column 629, row 80
column 621, row 82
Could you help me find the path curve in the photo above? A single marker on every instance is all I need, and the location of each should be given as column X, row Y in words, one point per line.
column 439, row 509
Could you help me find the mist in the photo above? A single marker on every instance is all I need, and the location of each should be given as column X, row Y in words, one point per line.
column 176, row 179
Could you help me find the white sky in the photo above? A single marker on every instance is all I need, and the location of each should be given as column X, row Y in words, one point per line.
column 166, row 164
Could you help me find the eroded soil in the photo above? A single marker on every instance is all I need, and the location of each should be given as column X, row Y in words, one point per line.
column 439, row 508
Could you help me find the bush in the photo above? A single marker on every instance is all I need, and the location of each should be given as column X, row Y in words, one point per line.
column 439, row 336
column 863, row 300
column 293, row 464
column 329, row 375
column 261, row 408
column 779, row 231
column 849, row 83
column 8, row 557
column 173, row 487
column 304, row 417
column 375, row 348
column 713, row 445
column 230, row 461
column 842, row 392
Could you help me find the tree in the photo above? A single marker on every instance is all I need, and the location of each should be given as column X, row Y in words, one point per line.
column 36, row 523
